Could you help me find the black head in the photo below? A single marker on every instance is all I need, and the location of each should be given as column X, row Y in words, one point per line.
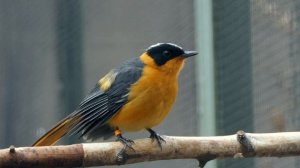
column 163, row 52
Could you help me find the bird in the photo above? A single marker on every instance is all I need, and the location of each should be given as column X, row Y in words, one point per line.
column 135, row 96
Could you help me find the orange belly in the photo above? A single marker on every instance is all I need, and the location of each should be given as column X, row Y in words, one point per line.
column 149, row 102
column 145, row 111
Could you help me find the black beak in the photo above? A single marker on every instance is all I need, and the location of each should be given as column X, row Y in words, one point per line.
column 189, row 54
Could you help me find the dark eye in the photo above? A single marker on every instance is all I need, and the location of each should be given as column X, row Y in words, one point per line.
column 166, row 53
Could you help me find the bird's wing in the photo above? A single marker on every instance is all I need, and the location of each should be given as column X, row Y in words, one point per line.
column 109, row 95
column 100, row 105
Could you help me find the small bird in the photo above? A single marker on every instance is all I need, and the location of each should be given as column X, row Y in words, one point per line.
column 135, row 96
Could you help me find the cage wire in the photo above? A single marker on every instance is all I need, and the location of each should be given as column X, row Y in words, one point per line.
column 68, row 41
column 276, row 64
column 257, row 71
column 233, row 69
column 43, row 51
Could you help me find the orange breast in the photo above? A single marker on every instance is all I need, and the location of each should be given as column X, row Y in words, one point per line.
column 151, row 97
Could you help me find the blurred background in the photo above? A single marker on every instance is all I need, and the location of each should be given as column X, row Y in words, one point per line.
column 247, row 75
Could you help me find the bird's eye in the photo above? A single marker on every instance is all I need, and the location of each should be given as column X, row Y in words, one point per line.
column 166, row 53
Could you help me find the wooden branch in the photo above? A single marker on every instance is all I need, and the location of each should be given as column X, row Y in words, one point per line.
column 201, row 148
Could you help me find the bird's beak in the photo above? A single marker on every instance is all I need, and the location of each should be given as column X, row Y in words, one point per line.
column 189, row 54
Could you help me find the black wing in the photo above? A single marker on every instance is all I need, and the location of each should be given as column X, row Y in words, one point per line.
column 107, row 98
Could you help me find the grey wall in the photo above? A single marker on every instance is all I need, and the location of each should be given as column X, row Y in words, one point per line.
column 29, row 84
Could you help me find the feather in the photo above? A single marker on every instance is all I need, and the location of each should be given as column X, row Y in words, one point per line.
column 101, row 104
column 55, row 134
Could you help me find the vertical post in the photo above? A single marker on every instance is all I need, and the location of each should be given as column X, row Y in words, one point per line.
column 233, row 71
column 205, row 70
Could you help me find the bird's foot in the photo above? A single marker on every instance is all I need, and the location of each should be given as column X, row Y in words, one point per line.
column 157, row 137
column 125, row 141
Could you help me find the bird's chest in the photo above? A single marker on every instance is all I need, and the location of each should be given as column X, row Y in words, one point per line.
column 156, row 98
column 150, row 100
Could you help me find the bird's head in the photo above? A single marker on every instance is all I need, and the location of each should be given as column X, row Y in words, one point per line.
column 166, row 56
column 161, row 53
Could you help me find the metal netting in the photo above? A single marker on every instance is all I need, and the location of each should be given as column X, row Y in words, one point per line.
column 276, row 70
column 233, row 69
column 46, row 46
column 257, row 70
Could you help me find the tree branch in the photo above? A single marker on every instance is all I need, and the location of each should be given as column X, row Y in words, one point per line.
column 200, row 148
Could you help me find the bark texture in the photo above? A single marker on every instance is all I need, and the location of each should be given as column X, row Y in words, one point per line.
column 203, row 149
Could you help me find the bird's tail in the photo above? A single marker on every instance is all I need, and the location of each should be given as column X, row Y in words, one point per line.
column 57, row 132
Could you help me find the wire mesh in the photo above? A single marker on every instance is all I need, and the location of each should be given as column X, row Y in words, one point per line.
column 50, row 45
column 276, row 64
column 256, row 51
column 257, row 70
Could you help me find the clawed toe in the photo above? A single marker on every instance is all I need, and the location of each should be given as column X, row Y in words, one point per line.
column 157, row 137
column 125, row 141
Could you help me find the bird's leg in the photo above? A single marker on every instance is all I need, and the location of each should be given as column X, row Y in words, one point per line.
column 156, row 136
column 126, row 142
